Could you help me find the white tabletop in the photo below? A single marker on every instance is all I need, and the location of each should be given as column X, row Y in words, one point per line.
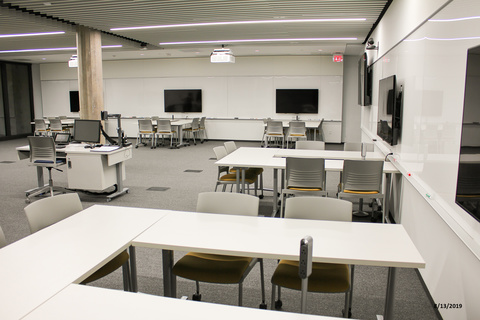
column 328, row 154
column 335, row 242
column 86, row 302
column 37, row 267
column 266, row 158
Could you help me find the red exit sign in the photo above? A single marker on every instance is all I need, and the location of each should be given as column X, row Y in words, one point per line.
column 337, row 57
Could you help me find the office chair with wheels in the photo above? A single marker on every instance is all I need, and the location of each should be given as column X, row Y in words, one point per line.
column 47, row 211
column 41, row 128
column 145, row 131
column 310, row 145
column 362, row 179
column 215, row 268
column 193, row 130
column 274, row 132
column 43, row 154
column 325, row 277
column 296, row 130
column 164, row 128
column 303, row 176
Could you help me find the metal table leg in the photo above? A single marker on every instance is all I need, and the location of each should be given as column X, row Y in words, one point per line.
column 169, row 279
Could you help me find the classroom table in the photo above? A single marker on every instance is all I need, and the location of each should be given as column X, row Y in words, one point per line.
column 386, row 245
column 39, row 266
column 87, row 302
column 179, row 124
column 273, row 158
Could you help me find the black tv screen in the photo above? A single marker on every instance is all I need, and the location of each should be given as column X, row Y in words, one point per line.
column 389, row 110
column 296, row 101
column 365, row 77
column 183, row 100
column 74, row 101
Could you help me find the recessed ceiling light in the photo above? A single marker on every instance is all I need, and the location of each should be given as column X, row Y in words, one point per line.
column 237, row 23
column 30, row 34
column 257, row 40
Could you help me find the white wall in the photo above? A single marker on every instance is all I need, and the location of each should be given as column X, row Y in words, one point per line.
column 430, row 64
column 244, row 90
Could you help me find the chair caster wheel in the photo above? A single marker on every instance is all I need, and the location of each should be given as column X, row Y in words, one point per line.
column 349, row 313
column 263, row 305
column 278, row 304
column 261, row 196
column 197, row 297
column 136, row 147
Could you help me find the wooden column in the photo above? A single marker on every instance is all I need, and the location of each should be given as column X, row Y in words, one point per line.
column 90, row 75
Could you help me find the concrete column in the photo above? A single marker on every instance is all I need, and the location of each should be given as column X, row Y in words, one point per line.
column 90, row 74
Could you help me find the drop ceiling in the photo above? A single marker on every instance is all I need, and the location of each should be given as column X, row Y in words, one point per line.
column 18, row 17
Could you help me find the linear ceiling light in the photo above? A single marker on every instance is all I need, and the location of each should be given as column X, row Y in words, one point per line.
column 455, row 19
column 54, row 49
column 237, row 23
column 30, row 34
column 258, row 40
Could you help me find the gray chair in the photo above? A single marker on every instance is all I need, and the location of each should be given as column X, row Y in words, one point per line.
column 41, row 128
column 214, row 268
column 230, row 146
column 193, row 130
column 47, row 211
column 164, row 128
column 296, row 131
column 310, row 145
column 230, row 176
column 56, row 126
column 43, row 154
column 145, row 131
column 274, row 132
column 325, row 277
column 303, row 176
column 203, row 129
column 319, row 134
column 362, row 179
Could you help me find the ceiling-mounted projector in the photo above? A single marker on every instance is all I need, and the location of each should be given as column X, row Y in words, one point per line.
column 222, row 56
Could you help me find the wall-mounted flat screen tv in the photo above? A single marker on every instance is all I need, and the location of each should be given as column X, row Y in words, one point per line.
column 296, row 101
column 389, row 110
column 183, row 100
column 365, row 78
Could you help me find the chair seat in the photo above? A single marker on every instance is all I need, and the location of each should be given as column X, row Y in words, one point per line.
column 304, row 189
column 211, row 268
column 325, row 277
column 361, row 192
column 109, row 267
column 249, row 178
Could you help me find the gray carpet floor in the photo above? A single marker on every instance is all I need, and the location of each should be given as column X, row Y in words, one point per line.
column 157, row 178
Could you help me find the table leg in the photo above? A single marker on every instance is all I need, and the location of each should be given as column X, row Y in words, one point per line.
column 169, row 279
column 120, row 189
column 275, row 192
column 133, row 269
column 388, row 313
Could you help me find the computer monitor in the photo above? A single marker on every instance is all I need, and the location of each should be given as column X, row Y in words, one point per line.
column 86, row 131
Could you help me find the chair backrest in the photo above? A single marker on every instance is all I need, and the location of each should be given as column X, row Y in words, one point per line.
column 310, row 145
column 220, row 152
column 357, row 146
column 228, row 203
column 202, row 122
column 274, row 127
column 230, row 146
column 47, row 211
column 195, row 123
column 164, row 126
column 305, row 172
column 297, row 127
column 318, row 208
column 321, row 135
column 42, row 149
column 40, row 125
column 145, row 125
column 56, row 125
column 362, row 175
column 3, row 241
